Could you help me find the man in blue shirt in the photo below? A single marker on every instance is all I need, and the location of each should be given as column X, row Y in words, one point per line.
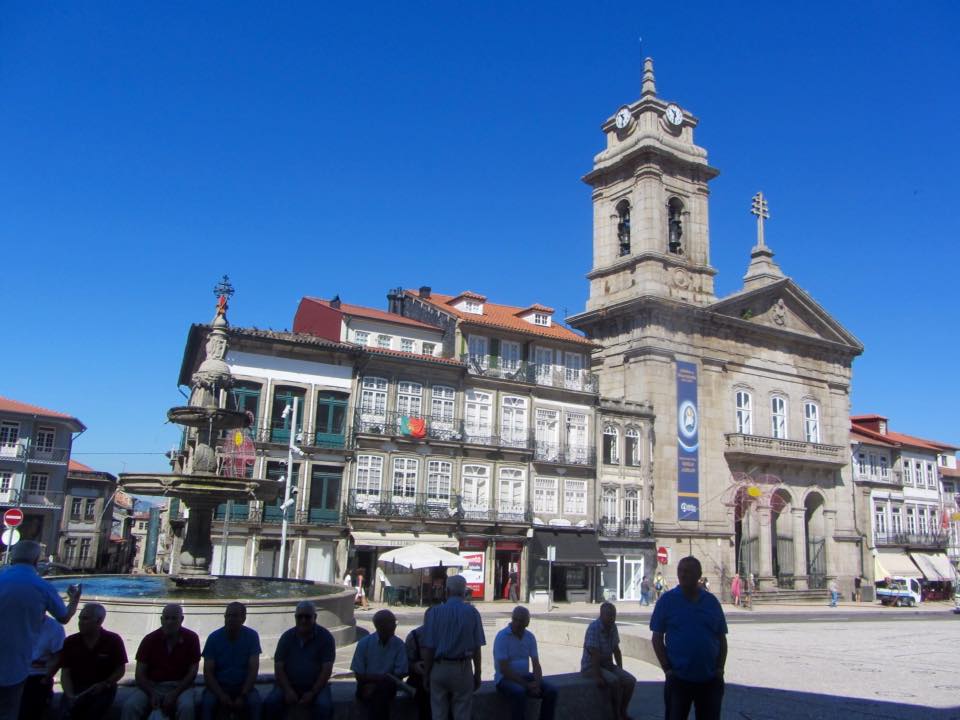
column 602, row 660
column 690, row 640
column 302, row 666
column 452, row 638
column 514, row 649
column 24, row 599
column 379, row 663
column 231, row 661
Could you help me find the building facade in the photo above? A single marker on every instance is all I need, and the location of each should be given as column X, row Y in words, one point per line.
column 87, row 521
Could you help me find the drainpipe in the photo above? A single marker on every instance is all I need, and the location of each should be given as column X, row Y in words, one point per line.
column 853, row 486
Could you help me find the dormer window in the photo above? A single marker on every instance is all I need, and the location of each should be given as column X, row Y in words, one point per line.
column 472, row 306
column 623, row 227
column 541, row 319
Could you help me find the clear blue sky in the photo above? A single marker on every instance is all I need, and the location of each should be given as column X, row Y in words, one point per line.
column 147, row 148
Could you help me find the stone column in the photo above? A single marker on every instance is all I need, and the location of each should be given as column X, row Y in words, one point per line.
column 829, row 546
column 766, row 549
column 798, row 515
column 197, row 549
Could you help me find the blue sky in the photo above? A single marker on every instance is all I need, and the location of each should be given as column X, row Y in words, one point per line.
column 303, row 148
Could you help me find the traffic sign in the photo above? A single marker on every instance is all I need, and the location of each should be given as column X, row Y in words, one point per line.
column 11, row 537
column 662, row 555
column 552, row 553
column 12, row 517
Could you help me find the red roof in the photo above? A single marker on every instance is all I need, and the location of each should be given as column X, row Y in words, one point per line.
column 417, row 356
column 374, row 314
column 8, row 405
column 863, row 435
column 75, row 466
column 894, row 438
column 861, row 418
column 501, row 316
column 905, row 439
column 949, row 472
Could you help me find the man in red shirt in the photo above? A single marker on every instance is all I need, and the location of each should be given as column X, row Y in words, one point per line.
column 167, row 662
column 92, row 663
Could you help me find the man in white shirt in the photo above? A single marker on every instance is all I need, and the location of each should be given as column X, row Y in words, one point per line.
column 38, row 689
column 514, row 650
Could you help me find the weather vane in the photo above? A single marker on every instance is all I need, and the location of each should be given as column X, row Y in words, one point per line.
column 760, row 209
column 224, row 290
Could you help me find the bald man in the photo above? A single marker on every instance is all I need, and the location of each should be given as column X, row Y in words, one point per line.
column 379, row 661
column 231, row 661
column 514, row 651
column 167, row 664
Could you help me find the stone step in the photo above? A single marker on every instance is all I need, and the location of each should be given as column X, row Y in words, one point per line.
column 790, row 596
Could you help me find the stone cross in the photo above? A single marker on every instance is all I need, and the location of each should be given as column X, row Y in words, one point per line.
column 760, row 209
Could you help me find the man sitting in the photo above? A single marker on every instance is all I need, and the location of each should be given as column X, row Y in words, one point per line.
column 302, row 665
column 602, row 660
column 93, row 662
column 231, row 661
column 514, row 649
column 379, row 661
column 167, row 663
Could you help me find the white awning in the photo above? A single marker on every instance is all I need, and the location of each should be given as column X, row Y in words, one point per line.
column 895, row 563
column 936, row 567
column 393, row 539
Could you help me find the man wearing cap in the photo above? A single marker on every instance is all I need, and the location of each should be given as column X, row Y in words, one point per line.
column 25, row 598
column 302, row 666
column 453, row 636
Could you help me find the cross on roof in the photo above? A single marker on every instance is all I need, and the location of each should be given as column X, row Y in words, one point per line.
column 760, row 209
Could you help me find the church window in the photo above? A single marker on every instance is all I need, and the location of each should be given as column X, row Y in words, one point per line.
column 811, row 422
column 744, row 413
column 623, row 227
column 778, row 417
column 611, row 445
column 675, row 226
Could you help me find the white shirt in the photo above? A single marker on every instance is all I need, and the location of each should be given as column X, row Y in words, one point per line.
column 48, row 643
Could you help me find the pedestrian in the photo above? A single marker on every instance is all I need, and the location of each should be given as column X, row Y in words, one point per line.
column 231, row 662
column 302, row 665
column 417, row 668
column 379, row 663
column 167, row 662
column 514, row 587
column 735, row 589
column 690, row 641
column 361, row 596
column 38, row 688
column 645, row 591
column 857, row 589
column 25, row 598
column 659, row 584
column 93, row 662
column 514, row 652
column 834, row 588
column 602, row 660
column 452, row 641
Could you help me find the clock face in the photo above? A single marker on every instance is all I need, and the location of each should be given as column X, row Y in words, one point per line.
column 674, row 115
column 623, row 118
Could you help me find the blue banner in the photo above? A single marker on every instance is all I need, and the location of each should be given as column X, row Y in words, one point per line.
column 688, row 443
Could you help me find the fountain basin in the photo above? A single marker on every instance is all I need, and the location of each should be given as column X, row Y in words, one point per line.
column 134, row 604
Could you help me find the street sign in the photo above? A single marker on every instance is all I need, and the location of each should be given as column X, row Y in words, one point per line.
column 11, row 537
column 662, row 555
column 12, row 517
column 551, row 553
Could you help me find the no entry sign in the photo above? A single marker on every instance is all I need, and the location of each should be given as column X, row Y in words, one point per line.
column 662, row 555
column 12, row 517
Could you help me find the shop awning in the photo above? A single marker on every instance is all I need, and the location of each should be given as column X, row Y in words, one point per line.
column 393, row 539
column 573, row 547
column 894, row 563
column 936, row 567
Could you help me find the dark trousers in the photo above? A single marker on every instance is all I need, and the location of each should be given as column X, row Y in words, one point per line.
column 380, row 700
column 37, row 691
column 422, row 698
column 706, row 697
column 517, row 696
column 90, row 707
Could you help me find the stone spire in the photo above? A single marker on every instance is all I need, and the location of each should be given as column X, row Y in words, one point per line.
column 762, row 269
column 214, row 374
column 649, row 84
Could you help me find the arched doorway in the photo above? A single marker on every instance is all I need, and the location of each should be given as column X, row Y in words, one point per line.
column 746, row 533
column 814, row 527
column 781, row 536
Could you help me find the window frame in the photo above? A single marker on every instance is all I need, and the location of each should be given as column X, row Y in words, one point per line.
column 518, row 480
column 743, row 418
column 779, row 417
column 438, row 479
column 632, row 457
column 611, row 451
column 811, row 422
column 576, row 498
column 371, row 465
column 404, row 476
column 479, row 475
column 546, row 495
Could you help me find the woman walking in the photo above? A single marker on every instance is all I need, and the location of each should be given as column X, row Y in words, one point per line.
column 735, row 589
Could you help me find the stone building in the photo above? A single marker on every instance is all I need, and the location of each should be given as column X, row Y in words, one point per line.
column 87, row 520
column 748, row 395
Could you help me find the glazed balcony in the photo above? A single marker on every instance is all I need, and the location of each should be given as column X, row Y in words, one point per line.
column 758, row 447
column 527, row 372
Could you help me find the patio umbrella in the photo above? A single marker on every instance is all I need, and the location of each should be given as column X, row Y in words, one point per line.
column 421, row 555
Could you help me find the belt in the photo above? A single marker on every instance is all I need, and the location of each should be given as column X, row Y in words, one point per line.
column 454, row 660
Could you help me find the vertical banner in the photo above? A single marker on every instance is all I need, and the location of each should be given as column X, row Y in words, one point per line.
column 688, row 443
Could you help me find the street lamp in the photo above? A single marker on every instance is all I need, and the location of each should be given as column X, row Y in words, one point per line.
column 291, row 413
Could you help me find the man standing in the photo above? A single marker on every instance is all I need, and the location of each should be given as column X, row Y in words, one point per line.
column 645, row 591
column 93, row 662
column 38, row 688
column 167, row 663
column 417, row 667
column 302, row 666
column 602, row 660
column 24, row 599
column 858, row 589
column 834, row 588
column 514, row 649
column 453, row 636
column 690, row 640
column 379, row 662
column 231, row 661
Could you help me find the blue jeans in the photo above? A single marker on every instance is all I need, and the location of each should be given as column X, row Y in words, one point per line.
column 210, row 702
column 644, row 598
column 89, row 707
column 517, row 696
column 834, row 598
column 274, row 707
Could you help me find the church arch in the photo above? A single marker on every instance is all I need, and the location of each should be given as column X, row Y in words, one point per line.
column 675, row 212
column 623, row 227
column 815, row 537
column 781, row 536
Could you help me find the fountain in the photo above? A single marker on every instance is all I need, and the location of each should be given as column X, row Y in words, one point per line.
column 202, row 480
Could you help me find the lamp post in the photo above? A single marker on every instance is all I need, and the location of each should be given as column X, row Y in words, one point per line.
column 291, row 412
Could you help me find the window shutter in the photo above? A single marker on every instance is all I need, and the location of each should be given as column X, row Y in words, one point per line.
column 494, row 352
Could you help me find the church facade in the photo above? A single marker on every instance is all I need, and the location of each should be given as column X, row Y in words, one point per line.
column 748, row 395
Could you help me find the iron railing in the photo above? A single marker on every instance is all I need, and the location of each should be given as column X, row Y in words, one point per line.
column 609, row 527
column 434, row 427
column 421, row 506
column 531, row 373
column 938, row 540
column 23, row 449
column 893, row 477
column 273, row 515
column 33, row 498
column 278, row 435
column 563, row 454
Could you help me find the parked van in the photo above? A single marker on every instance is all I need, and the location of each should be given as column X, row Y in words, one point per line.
column 899, row 591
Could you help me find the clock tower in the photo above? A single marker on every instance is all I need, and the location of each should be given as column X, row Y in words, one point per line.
column 650, row 198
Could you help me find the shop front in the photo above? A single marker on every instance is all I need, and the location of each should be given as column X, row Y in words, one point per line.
column 625, row 569
column 494, row 567
column 939, row 577
column 571, row 575
column 366, row 548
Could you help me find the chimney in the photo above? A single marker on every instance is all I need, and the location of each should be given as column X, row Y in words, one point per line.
column 425, row 292
column 395, row 301
column 335, row 303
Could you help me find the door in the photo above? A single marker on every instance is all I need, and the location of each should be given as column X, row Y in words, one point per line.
column 513, row 422
column 632, row 577
column 573, row 370
column 548, row 435
column 543, row 358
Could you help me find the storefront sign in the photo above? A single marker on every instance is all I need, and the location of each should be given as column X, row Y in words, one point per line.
column 688, row 443
column 474, row 572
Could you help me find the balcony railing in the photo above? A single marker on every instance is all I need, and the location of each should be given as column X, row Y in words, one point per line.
column 304, row 438
column 893, row 477
column 435, row 427
column 527, row 372
column 31, row 498
column 938, row 540
column 757, row 446
column 12, row 450
column 273, row 515
column 625, row 528
column 421, row 506
column 23, row 449
column 563, row 454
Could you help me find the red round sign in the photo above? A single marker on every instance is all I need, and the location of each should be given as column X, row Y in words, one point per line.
column 12, row 517
column 662, row 555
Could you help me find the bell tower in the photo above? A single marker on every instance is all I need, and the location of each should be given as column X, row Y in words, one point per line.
column 650, row 206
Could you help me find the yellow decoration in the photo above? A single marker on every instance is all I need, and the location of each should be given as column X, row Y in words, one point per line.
column 753, row 491
column 238, row 438
column 955, row 517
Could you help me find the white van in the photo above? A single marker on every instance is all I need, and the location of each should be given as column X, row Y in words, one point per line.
column 899, row 591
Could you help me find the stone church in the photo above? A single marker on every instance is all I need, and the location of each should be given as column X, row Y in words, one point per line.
column 750, row 392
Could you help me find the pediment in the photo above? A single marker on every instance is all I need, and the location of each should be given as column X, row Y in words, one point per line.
column 784, row 306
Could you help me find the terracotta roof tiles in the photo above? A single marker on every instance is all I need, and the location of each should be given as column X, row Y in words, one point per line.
column 8, row 405
column 374, row 314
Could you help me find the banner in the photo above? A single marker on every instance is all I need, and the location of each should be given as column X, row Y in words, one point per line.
column 473, row 573
column 688, row 443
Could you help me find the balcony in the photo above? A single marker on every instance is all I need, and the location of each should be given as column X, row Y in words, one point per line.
column 893, row 477
column 423, row 507
column 526, row 372
column 272, row 515
column 434, row 427
column 625, row 528
column 758, row 447
column 933, row 541
column 47, row 455
column 12, row 450
column 32, row 498
column 305, row 438
column 558, row 454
